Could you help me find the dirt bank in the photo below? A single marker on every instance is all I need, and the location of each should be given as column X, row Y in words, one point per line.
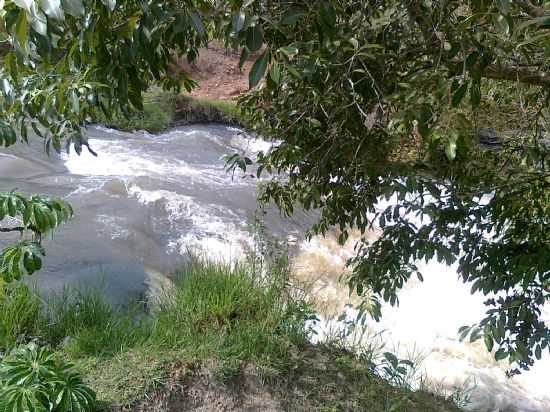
column 217, row 73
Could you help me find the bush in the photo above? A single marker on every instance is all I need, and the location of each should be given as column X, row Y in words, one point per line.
column 34, row 379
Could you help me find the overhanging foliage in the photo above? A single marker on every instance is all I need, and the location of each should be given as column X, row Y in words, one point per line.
column 370, row 99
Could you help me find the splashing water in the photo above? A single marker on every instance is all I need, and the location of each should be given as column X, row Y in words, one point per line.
column 146, row 199
column 426, row 320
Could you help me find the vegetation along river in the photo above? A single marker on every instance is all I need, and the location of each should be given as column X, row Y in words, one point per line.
column 145, row 200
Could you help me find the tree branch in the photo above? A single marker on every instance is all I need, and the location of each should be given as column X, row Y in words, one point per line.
column 19, row 229
column 535, row 78
column 500, row 72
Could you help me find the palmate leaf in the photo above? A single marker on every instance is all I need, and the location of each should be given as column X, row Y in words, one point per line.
column 72, row 394
column 24, row 258
column 42, row 213
column 28, row 365
column 12, row 204
column 33, row 379
column 23, row 398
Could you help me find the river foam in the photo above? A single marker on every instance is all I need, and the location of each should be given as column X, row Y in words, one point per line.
column 426, row 322
column 145, row 200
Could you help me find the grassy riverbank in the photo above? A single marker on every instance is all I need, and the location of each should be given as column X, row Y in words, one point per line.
column 219, row 336
column 163, row 110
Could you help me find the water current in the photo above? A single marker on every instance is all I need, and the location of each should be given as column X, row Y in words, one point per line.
column 145, row 201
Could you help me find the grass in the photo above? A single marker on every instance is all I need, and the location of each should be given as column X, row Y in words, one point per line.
column 20, row 311
column 162, row 110
column 238, row 324
column 232, row 314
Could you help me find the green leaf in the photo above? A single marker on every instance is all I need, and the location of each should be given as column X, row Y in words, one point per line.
column 52, row 8
column 501, row 22
column 463, row 332
column 21, row 29
column 289, row 51
column 7, row 135
column 538, row 352
column 258, row 69
column 292, row 16
column 275, row 73
column 73, row 7
column 543, row 22
column 328, row 14
column 39, row 21
column 450, row 147
column 110, row 4
column 24, row 4
column 471, row 59
column 126, row 30
column 488, row 341
column 237, row 21
column 197, row 23
column 459, row 94
column 504, row 6
column 254, row 38
column 475, row 94
column 244, row 56
column 501, row 354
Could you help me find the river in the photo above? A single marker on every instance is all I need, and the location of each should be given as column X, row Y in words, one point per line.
column 145, row 200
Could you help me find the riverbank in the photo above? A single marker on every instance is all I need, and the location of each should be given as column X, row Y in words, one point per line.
column 220, row 338
column 220, row 81
column 163, row 111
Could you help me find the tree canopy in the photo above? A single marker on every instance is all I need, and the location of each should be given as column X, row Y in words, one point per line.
column 370, row 100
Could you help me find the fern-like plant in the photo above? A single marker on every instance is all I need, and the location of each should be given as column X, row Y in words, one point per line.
column 33, row 379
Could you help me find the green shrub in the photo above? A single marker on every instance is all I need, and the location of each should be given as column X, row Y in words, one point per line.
column 34, row 379
column 20, row 310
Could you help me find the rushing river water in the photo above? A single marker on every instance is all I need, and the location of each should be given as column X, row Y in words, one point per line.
column 145, row 200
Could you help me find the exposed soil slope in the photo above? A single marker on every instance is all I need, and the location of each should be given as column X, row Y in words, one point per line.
column 217, row 73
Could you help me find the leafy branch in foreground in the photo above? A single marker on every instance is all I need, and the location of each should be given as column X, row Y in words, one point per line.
column 370, row 100
column 377, row 108
column 31, row 217
column 69, row 60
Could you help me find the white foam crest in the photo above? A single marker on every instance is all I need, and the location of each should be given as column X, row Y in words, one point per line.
column 250, row 144
column 116, row 158
column 120, row 159
column 109, row 224
column 427, row 320
column 208, row 228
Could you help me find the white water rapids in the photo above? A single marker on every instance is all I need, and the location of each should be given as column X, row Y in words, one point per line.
column 146, row 199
